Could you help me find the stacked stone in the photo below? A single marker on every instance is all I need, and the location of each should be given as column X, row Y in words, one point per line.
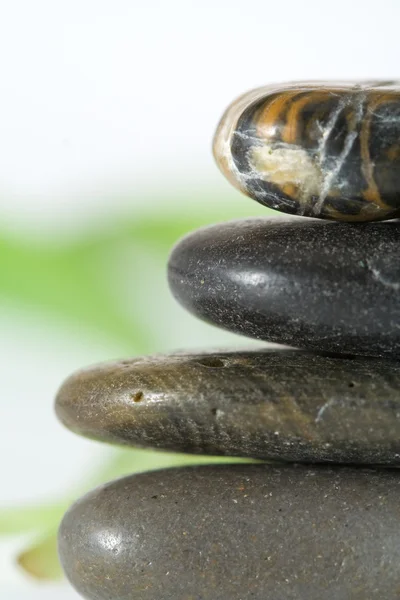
column 321, row 518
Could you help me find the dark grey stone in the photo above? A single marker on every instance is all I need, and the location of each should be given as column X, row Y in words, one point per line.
column 237, row 532
column 317, row 285
column 276, row 404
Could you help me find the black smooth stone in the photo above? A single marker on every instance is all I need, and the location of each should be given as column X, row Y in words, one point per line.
column 276, row 404
column 237, row 532
column 317, row 285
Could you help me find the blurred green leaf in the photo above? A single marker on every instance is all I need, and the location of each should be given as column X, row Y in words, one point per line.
column 24, row 519
column 69, row 281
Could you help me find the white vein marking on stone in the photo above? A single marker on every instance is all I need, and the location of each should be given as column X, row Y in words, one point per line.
column 382, row 279
column 327, row 130
column 347, row 146
column 246, row 136
column 323, row 408
column 387, row 119
column 343, row 565
column 333, row 173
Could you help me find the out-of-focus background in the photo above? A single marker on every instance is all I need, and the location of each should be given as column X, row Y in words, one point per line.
column 107, row 111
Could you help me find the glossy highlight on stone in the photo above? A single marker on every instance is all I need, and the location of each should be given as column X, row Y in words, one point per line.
column 306, row 283
column 230, row 532
column 319, row 149
column 273, row 404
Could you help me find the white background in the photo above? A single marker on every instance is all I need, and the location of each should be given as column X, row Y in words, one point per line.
column 102, row 100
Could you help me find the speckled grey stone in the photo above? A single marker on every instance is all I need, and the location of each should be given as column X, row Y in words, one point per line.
column 237, row 532
column 276, row 404
column 322, row 286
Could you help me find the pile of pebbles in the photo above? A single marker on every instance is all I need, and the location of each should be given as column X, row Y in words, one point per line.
column 319, row 518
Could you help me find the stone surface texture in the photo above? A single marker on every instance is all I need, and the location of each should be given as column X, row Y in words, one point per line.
column 237, row 532
column 313, row 284
column 274, row 404
column 319, row 149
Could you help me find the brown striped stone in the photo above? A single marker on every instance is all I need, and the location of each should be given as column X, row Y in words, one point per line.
column 329, row 150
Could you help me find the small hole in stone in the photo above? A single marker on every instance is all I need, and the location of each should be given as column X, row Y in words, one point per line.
column 138, row 397
column 214, row 411
column 351, row 384
column 211, row 362
column 154, row 497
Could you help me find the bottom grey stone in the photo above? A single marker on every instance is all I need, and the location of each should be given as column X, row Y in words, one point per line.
column 237, row 532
